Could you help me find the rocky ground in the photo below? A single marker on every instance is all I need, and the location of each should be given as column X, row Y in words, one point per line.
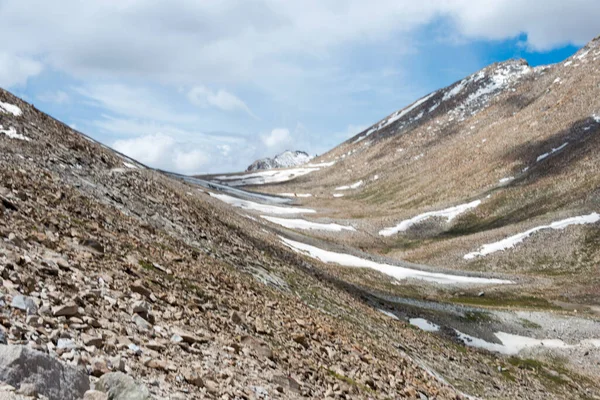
column 139, row 285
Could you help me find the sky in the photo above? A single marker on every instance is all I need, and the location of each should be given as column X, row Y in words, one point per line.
column 209, row 86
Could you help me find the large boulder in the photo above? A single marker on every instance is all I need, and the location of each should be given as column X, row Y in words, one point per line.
column 119, row 386
column 20, row 365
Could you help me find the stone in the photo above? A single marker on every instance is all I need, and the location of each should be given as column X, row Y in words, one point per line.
column 65, row 344
column 236, row 318
column 90, row 340
column 301, row 340
column 20, row 365
column 286, row 382
column 258, row 347
column 134, row 348
column 95, row 395
column 156, row 364
column 156, row 346
column 12, row 396
column 98, row 367
column 93, row 245
column 24, row 303
column 138, row 287
column 192, row 377
column 212, row 387
column 28, row 389
column 65, row 310
column 141, row 322
column 142, row 308
column 117, row 363
column 188, row 337
column 260, row 327
column 119, row 386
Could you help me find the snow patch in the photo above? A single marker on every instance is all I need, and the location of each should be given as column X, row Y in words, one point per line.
column 263, row 208
column 8, row 108
column 512, row 241
column 304, row 224
column 389, row 314
column 513, row 344
column 424, row 324
column 295, row 194
column 355, row 185
column 396, row 272
column 448, row 213
column 366, row 135
column 12, row 134
column 270, row 176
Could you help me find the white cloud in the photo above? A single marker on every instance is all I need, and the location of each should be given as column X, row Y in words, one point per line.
column 133, row 102
column 201, row 96
column 547, row 23
column 162, row 151
column 225, row 149
column 58, row 97
column 277, row 140
column 15, row 70
column 244, row 40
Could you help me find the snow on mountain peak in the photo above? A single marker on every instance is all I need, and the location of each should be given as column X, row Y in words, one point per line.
column 284, row 160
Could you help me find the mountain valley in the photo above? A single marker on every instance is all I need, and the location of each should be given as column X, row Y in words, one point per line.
column 449, row 251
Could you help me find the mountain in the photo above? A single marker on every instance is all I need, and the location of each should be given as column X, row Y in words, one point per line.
column 497, row 174
column 283, row 160
column 403, row 263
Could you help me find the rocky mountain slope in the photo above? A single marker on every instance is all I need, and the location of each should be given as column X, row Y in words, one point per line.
column 283, row 160
column 495, row 174
column 121, row 272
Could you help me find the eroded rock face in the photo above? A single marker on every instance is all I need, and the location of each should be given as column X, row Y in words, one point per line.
column 20, row 365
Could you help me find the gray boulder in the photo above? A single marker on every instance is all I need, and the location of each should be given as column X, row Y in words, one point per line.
column 119, row 386
column 20, row 365
column 24, row 303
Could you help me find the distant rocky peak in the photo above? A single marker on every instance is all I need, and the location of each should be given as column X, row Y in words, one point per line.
column 283, row 160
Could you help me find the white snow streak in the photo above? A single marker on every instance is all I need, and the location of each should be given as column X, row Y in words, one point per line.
column 304, row 224
column 559, row 148
column 355, row 185
column 396, row 272
column 512, row 241
column 263, row 208
column 389, row 314
column 12, row 134
column 448, row 213
column 295, row 194
column 424, row 324
column 270, row 176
